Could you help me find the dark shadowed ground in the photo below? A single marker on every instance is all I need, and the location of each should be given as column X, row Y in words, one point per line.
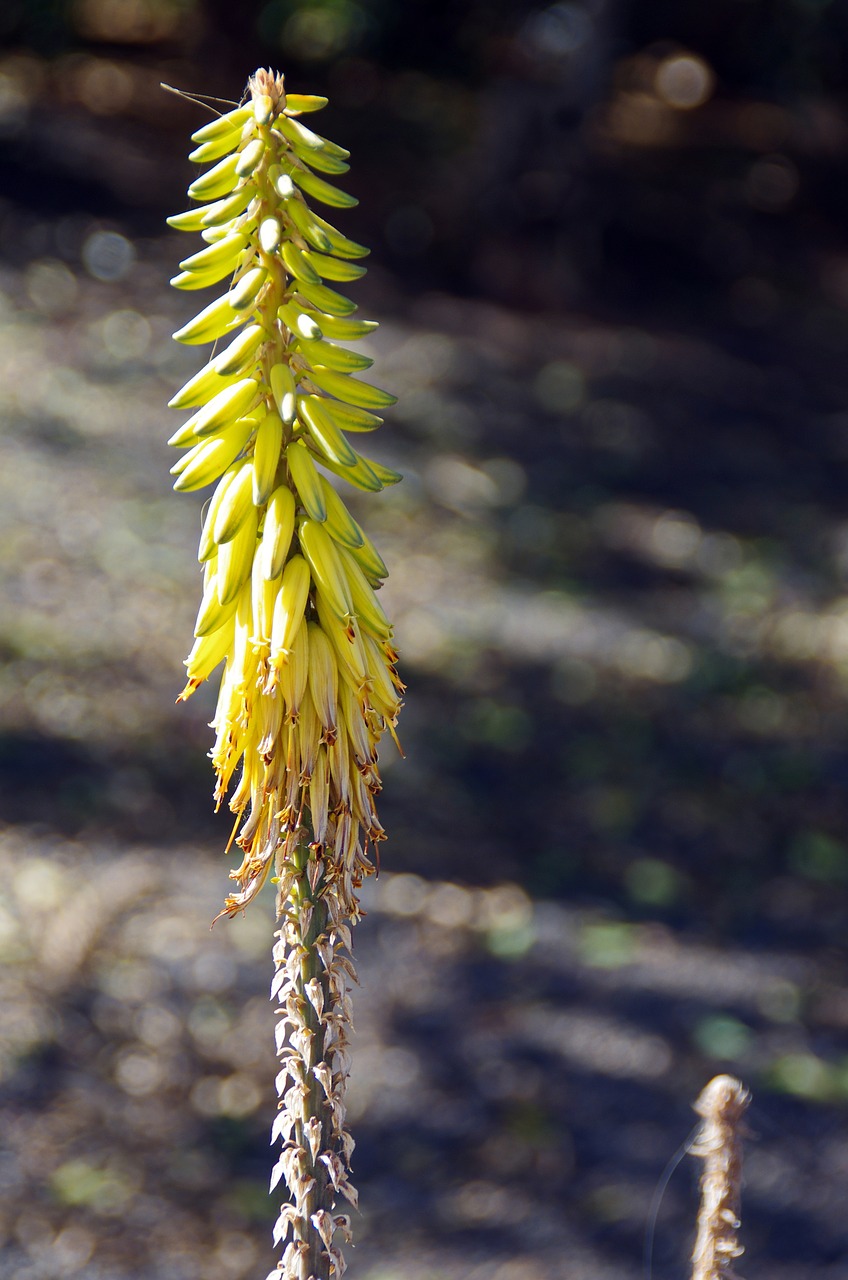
column 610, row 258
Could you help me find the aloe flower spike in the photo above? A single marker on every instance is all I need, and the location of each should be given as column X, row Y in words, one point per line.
column 309, row 683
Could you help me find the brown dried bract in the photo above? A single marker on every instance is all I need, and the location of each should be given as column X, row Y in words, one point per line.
column 722, row 1104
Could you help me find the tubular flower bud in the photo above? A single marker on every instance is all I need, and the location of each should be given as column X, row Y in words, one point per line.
column 309, row 684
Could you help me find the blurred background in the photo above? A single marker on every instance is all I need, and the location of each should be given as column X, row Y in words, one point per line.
column 610, row 259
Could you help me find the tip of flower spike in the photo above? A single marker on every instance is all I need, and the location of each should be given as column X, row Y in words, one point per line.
column 190, row 688
column 268, row 94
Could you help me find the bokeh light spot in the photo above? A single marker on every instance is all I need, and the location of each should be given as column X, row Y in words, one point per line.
column 138, row 1074
column 560, row 387
column 72, row 1248
column 772, row 183
column 607, row 945
column 721, row 1036
column 803, row 1074
column 52, row 287
column 458, row 485
column 675, row 538
column 645, row 655
column 684, row 81
column 781, row 1001
column 104, row 87
column 78, row 1183
column 403, row 895
column 818, row 856
column 318, row 32
column 653, row 882
column 108, row 255
column 126, row 335
column 556, row 32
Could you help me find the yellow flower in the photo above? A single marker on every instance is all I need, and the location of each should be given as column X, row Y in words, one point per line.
column 289, row 597
column 282, row 554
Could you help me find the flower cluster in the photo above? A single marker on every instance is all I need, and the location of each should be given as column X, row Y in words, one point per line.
column 289, row 604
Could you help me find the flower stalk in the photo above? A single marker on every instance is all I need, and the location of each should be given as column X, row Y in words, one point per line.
column 289, row 603
column 722, row 1105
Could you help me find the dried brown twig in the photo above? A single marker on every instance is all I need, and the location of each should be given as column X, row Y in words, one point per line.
column 722, row 1104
